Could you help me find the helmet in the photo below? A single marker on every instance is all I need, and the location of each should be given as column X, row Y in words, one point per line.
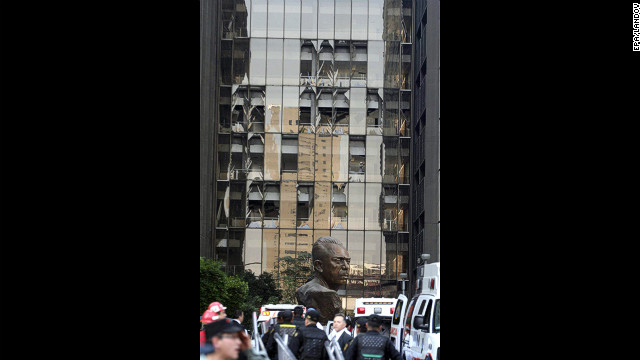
column 216, row 307
column 209, row 316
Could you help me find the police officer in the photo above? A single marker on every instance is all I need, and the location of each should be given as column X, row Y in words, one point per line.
column 282, row 328
column 372, row 345
column 298, row 319
column 308, row 341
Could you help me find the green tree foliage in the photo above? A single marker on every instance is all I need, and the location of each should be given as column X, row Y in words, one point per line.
column 294, row 272
column 213, row 282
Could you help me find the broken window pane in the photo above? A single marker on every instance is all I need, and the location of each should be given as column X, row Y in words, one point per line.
column 309, row 19
column 304, row 218
column 258, row 19
column 222, row 205
column 356, row 206
column 292, row 19
column 274, row 61
column 254, row 205
column 258, row 61
column 225, row 62
column 291, row 72
column 272, row 151
column 273, row 111
column 225, row 109
column 390, row 166
column 339, row 206
column 343, row 19
column 271, row 205
column 390, row 208
column 373, row 206
column 237, row 201
column 276, row 18
column 242, row 19
column 374, row 159
column 241, row 61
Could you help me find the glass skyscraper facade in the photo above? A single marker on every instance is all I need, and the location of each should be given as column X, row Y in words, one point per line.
column 313, row 136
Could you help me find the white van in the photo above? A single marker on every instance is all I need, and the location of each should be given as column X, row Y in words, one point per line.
column 270, row 311
column 383, row 307
column 416, row 325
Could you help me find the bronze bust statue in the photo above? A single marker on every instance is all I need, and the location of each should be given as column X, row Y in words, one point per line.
column 331, row 263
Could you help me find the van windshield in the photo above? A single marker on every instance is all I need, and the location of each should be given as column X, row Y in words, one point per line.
column 436, row 317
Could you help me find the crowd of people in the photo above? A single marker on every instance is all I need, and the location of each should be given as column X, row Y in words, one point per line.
column 223, row 338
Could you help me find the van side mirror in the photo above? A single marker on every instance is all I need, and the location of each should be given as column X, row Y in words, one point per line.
column 418, row 323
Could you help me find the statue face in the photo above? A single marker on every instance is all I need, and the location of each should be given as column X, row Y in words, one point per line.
column 335, row 265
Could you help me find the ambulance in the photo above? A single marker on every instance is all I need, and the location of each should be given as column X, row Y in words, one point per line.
column 270, row 311
column 415, row 328
column 383, row 307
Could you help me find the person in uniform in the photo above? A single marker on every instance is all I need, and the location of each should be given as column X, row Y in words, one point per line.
column 308, row 342
column 372, row 345
column 283, row 328
column 298, row 318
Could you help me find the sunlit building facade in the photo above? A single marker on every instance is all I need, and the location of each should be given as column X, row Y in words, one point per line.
column 313, row 135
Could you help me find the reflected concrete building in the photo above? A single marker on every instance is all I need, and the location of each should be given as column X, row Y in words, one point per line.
column 309, row 136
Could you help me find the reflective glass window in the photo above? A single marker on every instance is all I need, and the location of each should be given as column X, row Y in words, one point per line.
column 403, row 170
column 292, row 19
column 304, row 242
column 304, row 217
column 392, row 64
column 288, row 200
column 255, row 165
column 375, row 64
column 359, row 64
column 236, row 251
column 373, row 206
column 406, row 21
column 339, row 206
column 276, row 18
column 374, row 158
column 355, row 287
column 289, row 157
column 306, row 154
column 357, row 159
column 237, row 201
column 273, row 109
column 322, row 205
column 404, row 127
column 390, row 164
column 374, row 118
column 254, row 205
column 356, row 206
column 291, row 73
column 403, row 253
column 340, row 162
column 290, row 109
column 223, row 157
column 259, row 18
column 253, row 251
column 270, row 242
column 372, row 248
column 403, row 208
column 274, row 61
column 221, row 246
column 357, row 111
column 341, row 236
column 309, row 19
column 389, row 260
column 342, row 58
column 325, row 15
column 242, row 18
column 227, row 19
column 359, row 19
column 241, row 61
column 239, row 158
column 376, row 22
column 258, row 61
column 343, row 19
column 323, row 157
column 390, row 116
column 356, row 252
column 272, row 151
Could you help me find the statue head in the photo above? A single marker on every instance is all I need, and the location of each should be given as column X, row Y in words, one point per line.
column 331, row 261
